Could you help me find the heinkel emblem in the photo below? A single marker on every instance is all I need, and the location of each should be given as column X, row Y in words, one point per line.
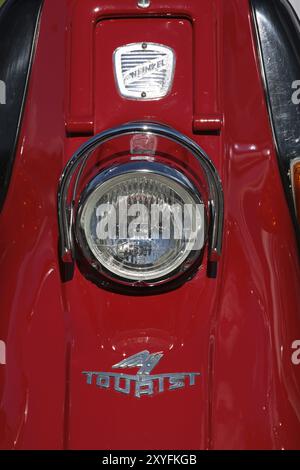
column 143, row 383
column 144, row 70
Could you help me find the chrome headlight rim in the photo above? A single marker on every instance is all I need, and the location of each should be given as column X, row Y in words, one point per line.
column 72, row 173
column 185, row 267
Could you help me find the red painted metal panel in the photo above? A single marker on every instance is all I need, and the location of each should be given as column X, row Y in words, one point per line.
column 32, row 319
column 176, row 34
column 206, row 20
column 236, row 330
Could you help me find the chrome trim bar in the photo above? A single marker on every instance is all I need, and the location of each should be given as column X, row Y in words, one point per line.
column 77, row 163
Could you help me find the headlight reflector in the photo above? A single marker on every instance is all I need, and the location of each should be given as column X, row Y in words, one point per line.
column 141, row 222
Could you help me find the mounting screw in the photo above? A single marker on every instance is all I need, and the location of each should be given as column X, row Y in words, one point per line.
column 144, row 3
column 143, row 94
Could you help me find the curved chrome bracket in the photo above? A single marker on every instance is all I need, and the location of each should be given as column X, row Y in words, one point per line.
column 77, row 164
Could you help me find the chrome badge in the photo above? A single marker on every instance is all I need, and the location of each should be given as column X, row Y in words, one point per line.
column 144, row 70
column 142, row 383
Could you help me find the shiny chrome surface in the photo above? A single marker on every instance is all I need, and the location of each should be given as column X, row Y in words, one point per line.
column 143, row 360
column 144, row 3
column 79, row 159
column 185, row 257
column 142, row 383
column 144, row 70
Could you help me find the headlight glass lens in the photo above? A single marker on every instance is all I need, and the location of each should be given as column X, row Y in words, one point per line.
column 142, row 223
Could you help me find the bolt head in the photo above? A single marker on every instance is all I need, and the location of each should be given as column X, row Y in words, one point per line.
column 144, row 3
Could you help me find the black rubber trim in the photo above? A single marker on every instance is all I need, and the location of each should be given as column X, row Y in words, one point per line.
column 19, row 21
column 277, row 30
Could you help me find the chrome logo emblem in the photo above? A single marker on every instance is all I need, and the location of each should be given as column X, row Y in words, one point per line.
column 143, row 383
column 144, row 70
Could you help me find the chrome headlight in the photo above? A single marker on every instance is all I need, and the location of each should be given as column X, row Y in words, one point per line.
column 150, row 210
column 141, row 222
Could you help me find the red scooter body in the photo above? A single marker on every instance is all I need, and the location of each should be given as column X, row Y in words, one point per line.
column 236, row 330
